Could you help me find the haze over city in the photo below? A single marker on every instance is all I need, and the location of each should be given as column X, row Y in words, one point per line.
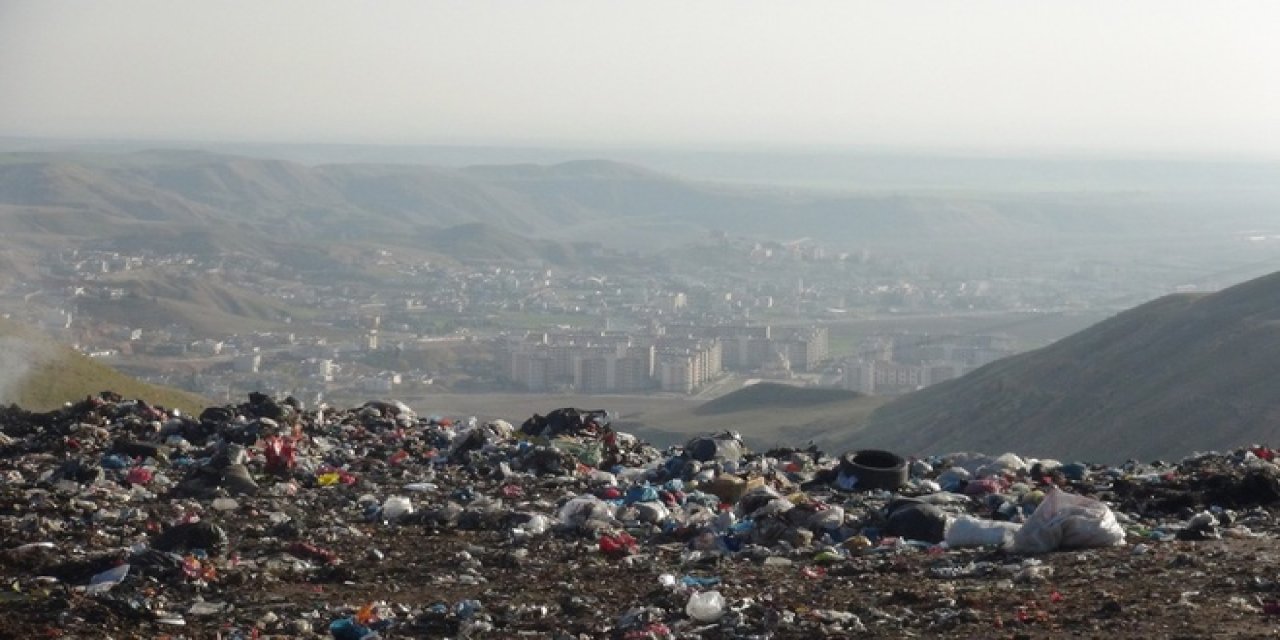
column 985, row 77
column 654, row 319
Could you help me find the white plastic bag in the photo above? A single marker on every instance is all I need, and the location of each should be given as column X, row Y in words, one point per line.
column 1068, row 521
column 968, row 531
column 103, row 582
column 396, row 507
column 537, row 525
column 707, row 606
column 584, row 508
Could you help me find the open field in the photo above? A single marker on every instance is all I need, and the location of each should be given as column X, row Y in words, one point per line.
column 1029, row 330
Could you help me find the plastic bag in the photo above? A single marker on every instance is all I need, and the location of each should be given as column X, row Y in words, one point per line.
column 618, row 544
column 396, row 507
column 968, row 531
column 704, row 607
column 103, row 582
column 584, row 508
column 588, row 453
column 1068, row 521
column 537, row 525
column 281, row 454
column 726, row 446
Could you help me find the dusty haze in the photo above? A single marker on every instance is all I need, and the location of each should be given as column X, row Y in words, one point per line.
column 1143, row 76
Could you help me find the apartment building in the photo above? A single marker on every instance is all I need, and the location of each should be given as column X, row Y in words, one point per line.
column 748, row 348
column 617, row 368
column 590, row 362
column 679, row 358
column 685, row 364
column 804, row 347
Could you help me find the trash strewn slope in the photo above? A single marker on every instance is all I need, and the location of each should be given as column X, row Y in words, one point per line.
column 268, row 519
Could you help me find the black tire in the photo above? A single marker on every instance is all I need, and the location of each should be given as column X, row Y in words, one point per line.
column 875, row 469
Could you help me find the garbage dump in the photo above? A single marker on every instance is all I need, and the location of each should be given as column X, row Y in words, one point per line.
column 269, row 519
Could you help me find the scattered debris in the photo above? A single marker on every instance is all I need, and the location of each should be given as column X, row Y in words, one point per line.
column 265, row 519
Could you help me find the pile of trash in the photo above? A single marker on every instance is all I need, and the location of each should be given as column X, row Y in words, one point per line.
column 270, row 519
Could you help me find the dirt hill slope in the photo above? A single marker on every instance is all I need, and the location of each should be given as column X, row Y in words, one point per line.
column 39, row 375
column 1182, row 373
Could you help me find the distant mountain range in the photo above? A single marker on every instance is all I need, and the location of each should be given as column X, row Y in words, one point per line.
column 1183, row 373
column 212, row 200
column 799, row 167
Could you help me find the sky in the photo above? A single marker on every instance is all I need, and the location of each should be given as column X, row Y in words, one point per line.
column 1139, row 76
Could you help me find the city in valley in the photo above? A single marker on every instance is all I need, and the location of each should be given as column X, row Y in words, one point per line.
column 699, row 313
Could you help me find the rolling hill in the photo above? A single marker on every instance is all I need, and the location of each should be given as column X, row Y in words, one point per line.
column 765, row 414
column 208, row 304
column 197, row 199
column 481, row 242
column 1186, row 372
column 773, row 395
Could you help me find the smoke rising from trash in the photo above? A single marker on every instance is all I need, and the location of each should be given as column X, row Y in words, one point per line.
column 16, row 359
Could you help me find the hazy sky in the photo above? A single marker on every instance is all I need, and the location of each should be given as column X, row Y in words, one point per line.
column 1061, row 75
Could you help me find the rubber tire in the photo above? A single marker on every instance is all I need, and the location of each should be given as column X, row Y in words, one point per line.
column 875, row 469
